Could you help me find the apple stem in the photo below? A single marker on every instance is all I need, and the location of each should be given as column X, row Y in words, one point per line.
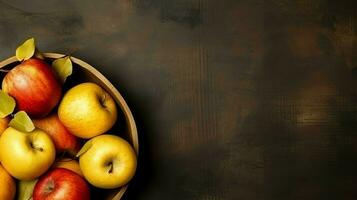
column 111, row 168
column 36, row 148
column 4, row 70
column 102, row 100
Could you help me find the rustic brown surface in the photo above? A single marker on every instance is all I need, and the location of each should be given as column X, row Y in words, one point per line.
column 234, row 99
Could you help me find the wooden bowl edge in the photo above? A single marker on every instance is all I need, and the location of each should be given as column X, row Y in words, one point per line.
column 122, row 103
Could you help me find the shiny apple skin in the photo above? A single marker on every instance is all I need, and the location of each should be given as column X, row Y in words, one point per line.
column 34, row 86
column 61, row 184
column 63, row 140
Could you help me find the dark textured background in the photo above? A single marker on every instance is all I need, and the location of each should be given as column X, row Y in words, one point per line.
column 234, row 99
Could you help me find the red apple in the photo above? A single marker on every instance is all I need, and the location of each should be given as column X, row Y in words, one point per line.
column 64, row 141
column 61, row 184
column 34, row 86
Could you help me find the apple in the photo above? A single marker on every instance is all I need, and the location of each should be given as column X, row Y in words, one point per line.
column 63, row 140
column 70, row 164
column 61, row 184
column 87, row 110
column 25, row 189
column 109, row 162
column 34, row 86
column 26, row 156
column 4, row 124
column 7, row 185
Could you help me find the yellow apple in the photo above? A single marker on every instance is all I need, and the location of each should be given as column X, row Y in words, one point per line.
column 7, row 185
column 4, row 124
column 70, row 164
column 87, row 110
column 26, row 156
column 108, row 162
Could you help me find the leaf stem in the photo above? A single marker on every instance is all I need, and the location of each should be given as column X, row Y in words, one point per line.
column 4, row 70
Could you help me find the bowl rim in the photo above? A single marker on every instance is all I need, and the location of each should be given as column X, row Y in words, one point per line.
column 120, row 100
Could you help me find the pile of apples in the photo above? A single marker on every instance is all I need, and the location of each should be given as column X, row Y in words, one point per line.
column 57, row 144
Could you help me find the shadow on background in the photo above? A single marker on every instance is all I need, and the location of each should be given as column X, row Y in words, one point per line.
column 145, row 171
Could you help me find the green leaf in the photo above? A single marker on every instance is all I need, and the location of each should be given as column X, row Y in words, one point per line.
column 63, row 67
column 22, row 122
column 7, row 104
column 25, row 189
column 26, row 50
column 85, row 148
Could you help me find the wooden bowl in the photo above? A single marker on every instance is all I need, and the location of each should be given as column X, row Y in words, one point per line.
column 83, row 72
